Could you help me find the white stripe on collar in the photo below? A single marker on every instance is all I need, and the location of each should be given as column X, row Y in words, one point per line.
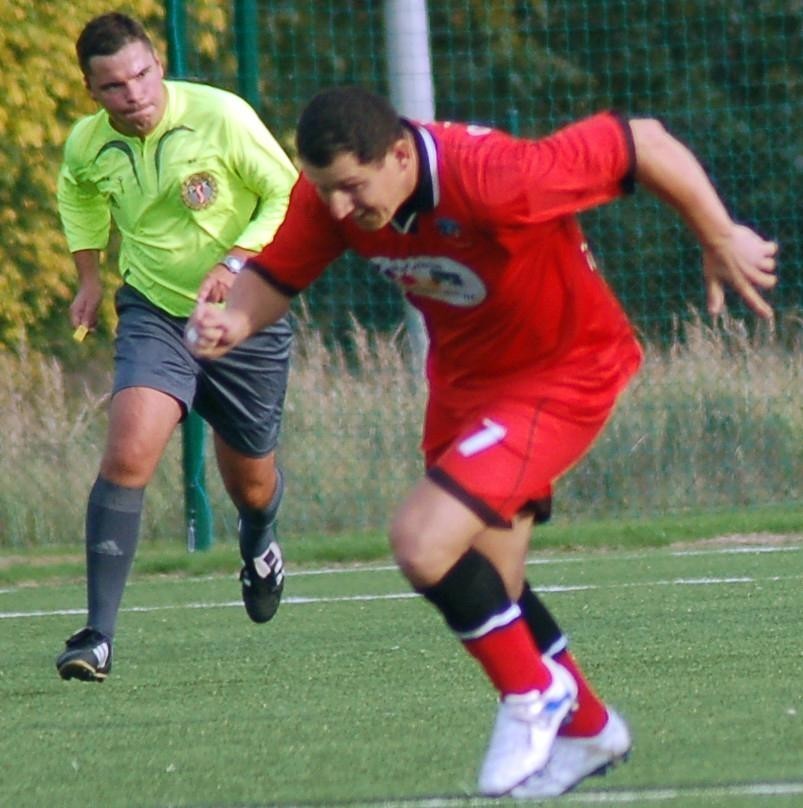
column 405, row 227
column 432, row 159
column 431, row 155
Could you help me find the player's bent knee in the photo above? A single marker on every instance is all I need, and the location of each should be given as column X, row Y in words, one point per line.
column 421, row 561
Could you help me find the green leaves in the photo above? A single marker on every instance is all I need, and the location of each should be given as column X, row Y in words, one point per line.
column 43, row 95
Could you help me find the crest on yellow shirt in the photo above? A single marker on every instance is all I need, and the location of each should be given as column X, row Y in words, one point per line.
column 199, row 191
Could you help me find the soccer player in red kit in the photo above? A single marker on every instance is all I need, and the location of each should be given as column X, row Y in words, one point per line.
column 528, row 352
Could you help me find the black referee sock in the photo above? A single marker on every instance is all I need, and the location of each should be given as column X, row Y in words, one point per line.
column 112, row 531
column 257, row 527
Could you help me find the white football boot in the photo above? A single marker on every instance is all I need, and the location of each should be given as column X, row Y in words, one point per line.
column 574, row 759
column 525, row 730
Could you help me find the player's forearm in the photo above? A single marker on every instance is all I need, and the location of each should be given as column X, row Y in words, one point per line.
column 257, row 303
column 251, row 305
column 671, row 171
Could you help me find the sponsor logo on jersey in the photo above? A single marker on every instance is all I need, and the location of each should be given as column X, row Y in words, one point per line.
column 437, row 277
column 199, row 191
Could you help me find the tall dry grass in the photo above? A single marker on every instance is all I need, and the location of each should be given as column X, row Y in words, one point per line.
column 714, row 421
column 49, row 436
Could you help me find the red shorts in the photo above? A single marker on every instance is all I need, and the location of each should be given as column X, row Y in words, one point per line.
column 502, row 457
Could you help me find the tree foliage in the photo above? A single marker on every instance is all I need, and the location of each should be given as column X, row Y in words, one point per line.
column 43, row 95
column 726, row 76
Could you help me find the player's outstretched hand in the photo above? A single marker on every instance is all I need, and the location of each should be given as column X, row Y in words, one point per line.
column 212, row 331
column 744, row 261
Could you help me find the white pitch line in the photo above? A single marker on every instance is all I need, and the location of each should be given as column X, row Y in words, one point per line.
column 613, row 797
column 531, row 562
column 534, row 561
column 699, row 792
column 748, row 549
column 226, row 604
column 302, row 600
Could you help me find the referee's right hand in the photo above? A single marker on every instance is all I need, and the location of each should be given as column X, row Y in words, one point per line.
column 215, row 286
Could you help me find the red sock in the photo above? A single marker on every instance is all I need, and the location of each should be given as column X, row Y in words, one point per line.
column 591, row 714
column 510, row 658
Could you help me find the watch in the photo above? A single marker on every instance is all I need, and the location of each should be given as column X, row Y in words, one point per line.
column 234, row 265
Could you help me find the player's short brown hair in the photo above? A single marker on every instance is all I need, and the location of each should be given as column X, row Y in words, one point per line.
column 347, row 120
column 107, row 34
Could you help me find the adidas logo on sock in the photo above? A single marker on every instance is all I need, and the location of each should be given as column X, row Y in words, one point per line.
column 107, row 547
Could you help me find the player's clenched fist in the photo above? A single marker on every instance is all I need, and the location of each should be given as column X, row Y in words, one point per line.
column 212, row 331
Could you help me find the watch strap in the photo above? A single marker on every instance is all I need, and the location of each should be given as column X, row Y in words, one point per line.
column 233, row 264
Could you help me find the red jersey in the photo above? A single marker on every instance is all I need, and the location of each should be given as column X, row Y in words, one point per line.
column 489, row 250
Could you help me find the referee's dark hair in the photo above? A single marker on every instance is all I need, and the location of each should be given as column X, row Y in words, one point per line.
column 107, row 34
column 347, row 119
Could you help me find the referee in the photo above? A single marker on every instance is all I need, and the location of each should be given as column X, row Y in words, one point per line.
column 194, row 183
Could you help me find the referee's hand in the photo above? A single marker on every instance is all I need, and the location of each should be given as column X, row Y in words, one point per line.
column 215, row 286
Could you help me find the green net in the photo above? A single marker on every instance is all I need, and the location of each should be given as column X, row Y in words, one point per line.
column 713, row 422
column 725, row 77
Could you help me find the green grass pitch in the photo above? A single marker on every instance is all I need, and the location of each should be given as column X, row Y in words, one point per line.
column 356, row 695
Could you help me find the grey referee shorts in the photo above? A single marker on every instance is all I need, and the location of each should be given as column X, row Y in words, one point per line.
column 241, row 395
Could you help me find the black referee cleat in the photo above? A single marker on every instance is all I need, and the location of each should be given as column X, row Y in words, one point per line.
column 87, row 656
column 262, row 581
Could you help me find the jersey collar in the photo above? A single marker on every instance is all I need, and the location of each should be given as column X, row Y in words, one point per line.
column 426, row 195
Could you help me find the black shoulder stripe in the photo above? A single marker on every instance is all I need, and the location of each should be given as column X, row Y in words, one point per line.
column 629, row 179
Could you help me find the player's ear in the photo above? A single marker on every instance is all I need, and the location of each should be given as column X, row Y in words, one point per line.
column 88, row 85
column 402, row 150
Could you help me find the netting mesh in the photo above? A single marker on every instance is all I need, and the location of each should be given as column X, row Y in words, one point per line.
column 714, row 419
column 724, row 76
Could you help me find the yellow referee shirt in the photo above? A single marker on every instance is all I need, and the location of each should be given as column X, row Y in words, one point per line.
column 209, row 176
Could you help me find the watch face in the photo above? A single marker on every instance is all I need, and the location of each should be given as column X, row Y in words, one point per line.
column 233, row 264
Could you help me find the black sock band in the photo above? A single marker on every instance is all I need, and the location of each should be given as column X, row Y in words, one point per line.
column 112, row 531
column 470, row 593
column 256, row 526
column 545, row 630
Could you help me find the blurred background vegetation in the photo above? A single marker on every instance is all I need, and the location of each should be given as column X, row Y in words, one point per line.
column 726, row 76
column 715, row 419
column 712, row 425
